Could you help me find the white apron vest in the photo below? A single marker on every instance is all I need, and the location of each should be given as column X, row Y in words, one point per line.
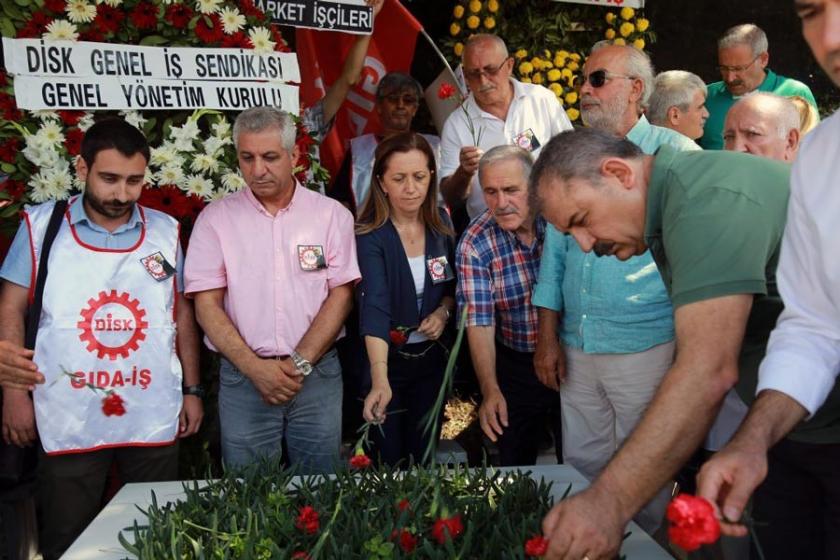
column 108, row 323
column 363, row 149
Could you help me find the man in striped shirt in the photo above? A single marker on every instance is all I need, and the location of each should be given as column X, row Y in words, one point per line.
column 498, row 263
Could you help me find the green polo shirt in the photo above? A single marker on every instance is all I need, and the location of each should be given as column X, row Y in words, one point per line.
column 719, row 100
column 714, row 226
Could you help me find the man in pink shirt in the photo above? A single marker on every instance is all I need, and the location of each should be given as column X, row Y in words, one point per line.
column 272, row 269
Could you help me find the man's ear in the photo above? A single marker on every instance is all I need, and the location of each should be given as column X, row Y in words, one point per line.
column 763, row 60
column 620, row 169
column 81, row 169
column 792, row 144
column 295, row 155
column 673, row 115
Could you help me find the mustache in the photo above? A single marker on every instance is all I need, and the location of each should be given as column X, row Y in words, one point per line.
column 485, row 88
column 505, row 211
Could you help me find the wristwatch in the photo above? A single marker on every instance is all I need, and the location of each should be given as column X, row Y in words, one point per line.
column 301, row 364
column 196, row 390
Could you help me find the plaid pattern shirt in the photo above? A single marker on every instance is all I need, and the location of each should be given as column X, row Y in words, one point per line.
column 496, row 275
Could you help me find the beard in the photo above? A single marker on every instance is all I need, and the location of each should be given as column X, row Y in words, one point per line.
column 606, row 115
column 110, row 209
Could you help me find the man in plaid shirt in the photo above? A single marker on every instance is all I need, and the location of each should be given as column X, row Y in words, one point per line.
column 498, row 264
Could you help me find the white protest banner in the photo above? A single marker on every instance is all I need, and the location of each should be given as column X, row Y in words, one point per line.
column 350, row 16
column 36, row 57
column 93, row 93
column 609, row 3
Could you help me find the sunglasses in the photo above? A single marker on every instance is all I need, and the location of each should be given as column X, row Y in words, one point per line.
column 598, row 78
column 486, row 71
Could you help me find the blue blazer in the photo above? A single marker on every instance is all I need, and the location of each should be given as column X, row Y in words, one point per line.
column 386, row 294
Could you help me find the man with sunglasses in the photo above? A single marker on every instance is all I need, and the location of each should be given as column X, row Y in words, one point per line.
column 742, row 61
column 398, row 97
column 499, row 110
column 614, row 318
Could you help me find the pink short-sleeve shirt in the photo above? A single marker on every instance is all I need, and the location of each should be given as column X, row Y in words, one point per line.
column 278, row 270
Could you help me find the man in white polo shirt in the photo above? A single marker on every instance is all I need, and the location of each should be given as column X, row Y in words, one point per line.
column 498, row 111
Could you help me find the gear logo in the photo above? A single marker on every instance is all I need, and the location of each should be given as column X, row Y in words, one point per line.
column 112, row 325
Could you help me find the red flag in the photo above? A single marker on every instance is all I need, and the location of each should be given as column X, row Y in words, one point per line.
column 321, row 56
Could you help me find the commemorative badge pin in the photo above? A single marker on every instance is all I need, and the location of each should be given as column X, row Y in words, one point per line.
column 157, row 266
column 311, row 257
column 527, row 140
column 439, row 269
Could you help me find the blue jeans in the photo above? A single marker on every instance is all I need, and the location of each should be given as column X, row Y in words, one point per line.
column 310, row 421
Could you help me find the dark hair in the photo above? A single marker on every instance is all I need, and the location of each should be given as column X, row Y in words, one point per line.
column 397, row 82
column 577, row 154
column 113, row 133
column 376, row 209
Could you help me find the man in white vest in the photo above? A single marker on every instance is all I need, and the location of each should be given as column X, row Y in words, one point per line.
column 116, row 344
column 398, row 97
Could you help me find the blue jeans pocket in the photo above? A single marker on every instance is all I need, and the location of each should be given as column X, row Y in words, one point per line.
column 229, row 376
column 328, row 367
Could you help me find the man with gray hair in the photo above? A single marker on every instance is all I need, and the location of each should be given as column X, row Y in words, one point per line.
column 499, row 110
column 713, row 222
column 763, row 124
column 678, row 102
column 498, row 261
column 613, row 318
column 272, row 287
column 742, row 61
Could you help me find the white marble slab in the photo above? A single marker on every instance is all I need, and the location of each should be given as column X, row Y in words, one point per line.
column 99, row 541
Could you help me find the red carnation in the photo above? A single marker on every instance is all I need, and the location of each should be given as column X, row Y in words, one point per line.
column 9, row 107
column 693, row 522
column 108, row 19
column 307, row 520
column 56, row 6
column 360, row 460
column 9, row 149
column 179, row 15
column 447, row 528
column 446, row 91
column 398, row 336
column 403, row 505
column 13, row 188
column 144, row 15
column 280, row 43
column 408, row 542
column 71, row 118
column 237, row 40
column 113, row 405
column 93, row 34
column 73, row 141
column 209, row 29
column 250, row 9
column 169, row 199
column 35, row 27
column 536, row 547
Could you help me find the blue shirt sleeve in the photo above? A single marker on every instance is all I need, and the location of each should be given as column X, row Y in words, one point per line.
column 17, row 268
column 548, row 292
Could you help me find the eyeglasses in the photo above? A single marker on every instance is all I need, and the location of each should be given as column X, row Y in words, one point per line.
column 598, row 78
column 737, row 69
column 486, row 71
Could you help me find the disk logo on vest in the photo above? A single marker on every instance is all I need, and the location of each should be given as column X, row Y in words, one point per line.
column 112, row 325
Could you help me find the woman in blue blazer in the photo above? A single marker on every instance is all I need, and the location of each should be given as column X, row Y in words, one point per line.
column 406, row 251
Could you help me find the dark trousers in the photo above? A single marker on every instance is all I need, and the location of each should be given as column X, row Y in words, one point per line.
column 797, row 508
column 70, row 487
column 531, row 408
column 415, row 384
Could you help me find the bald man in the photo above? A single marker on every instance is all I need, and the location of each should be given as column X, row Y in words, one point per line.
column 763, row 124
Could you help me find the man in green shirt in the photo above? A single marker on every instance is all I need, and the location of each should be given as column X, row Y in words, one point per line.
column 713, row 222
column 742, row 61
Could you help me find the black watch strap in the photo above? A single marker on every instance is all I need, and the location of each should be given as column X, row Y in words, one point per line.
column 196, row 390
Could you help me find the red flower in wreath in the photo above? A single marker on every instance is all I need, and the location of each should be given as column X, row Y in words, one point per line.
column 250, row 9
column 447, row 528
column 113, row 405
column 536, row 547
column 403, row 505
column 13, row 188
column 144, row 15
column 9, row 149
column 179, row 15
column 209, row 32
column 71, row 118
column 93, row 34
column 308, row 520
column 408, row 542
column 35, row 27
column 108, row 19
column 55, row 6
column 9, row 107
column 237, row 40
column 73, row 141
column 693, row 522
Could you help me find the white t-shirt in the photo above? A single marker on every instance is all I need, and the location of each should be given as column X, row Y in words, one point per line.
column 418, row 273
column 533, row 108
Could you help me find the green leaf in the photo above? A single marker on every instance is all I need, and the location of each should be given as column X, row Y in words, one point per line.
column 23, row 3
column 153, row 40
column 8, row 168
